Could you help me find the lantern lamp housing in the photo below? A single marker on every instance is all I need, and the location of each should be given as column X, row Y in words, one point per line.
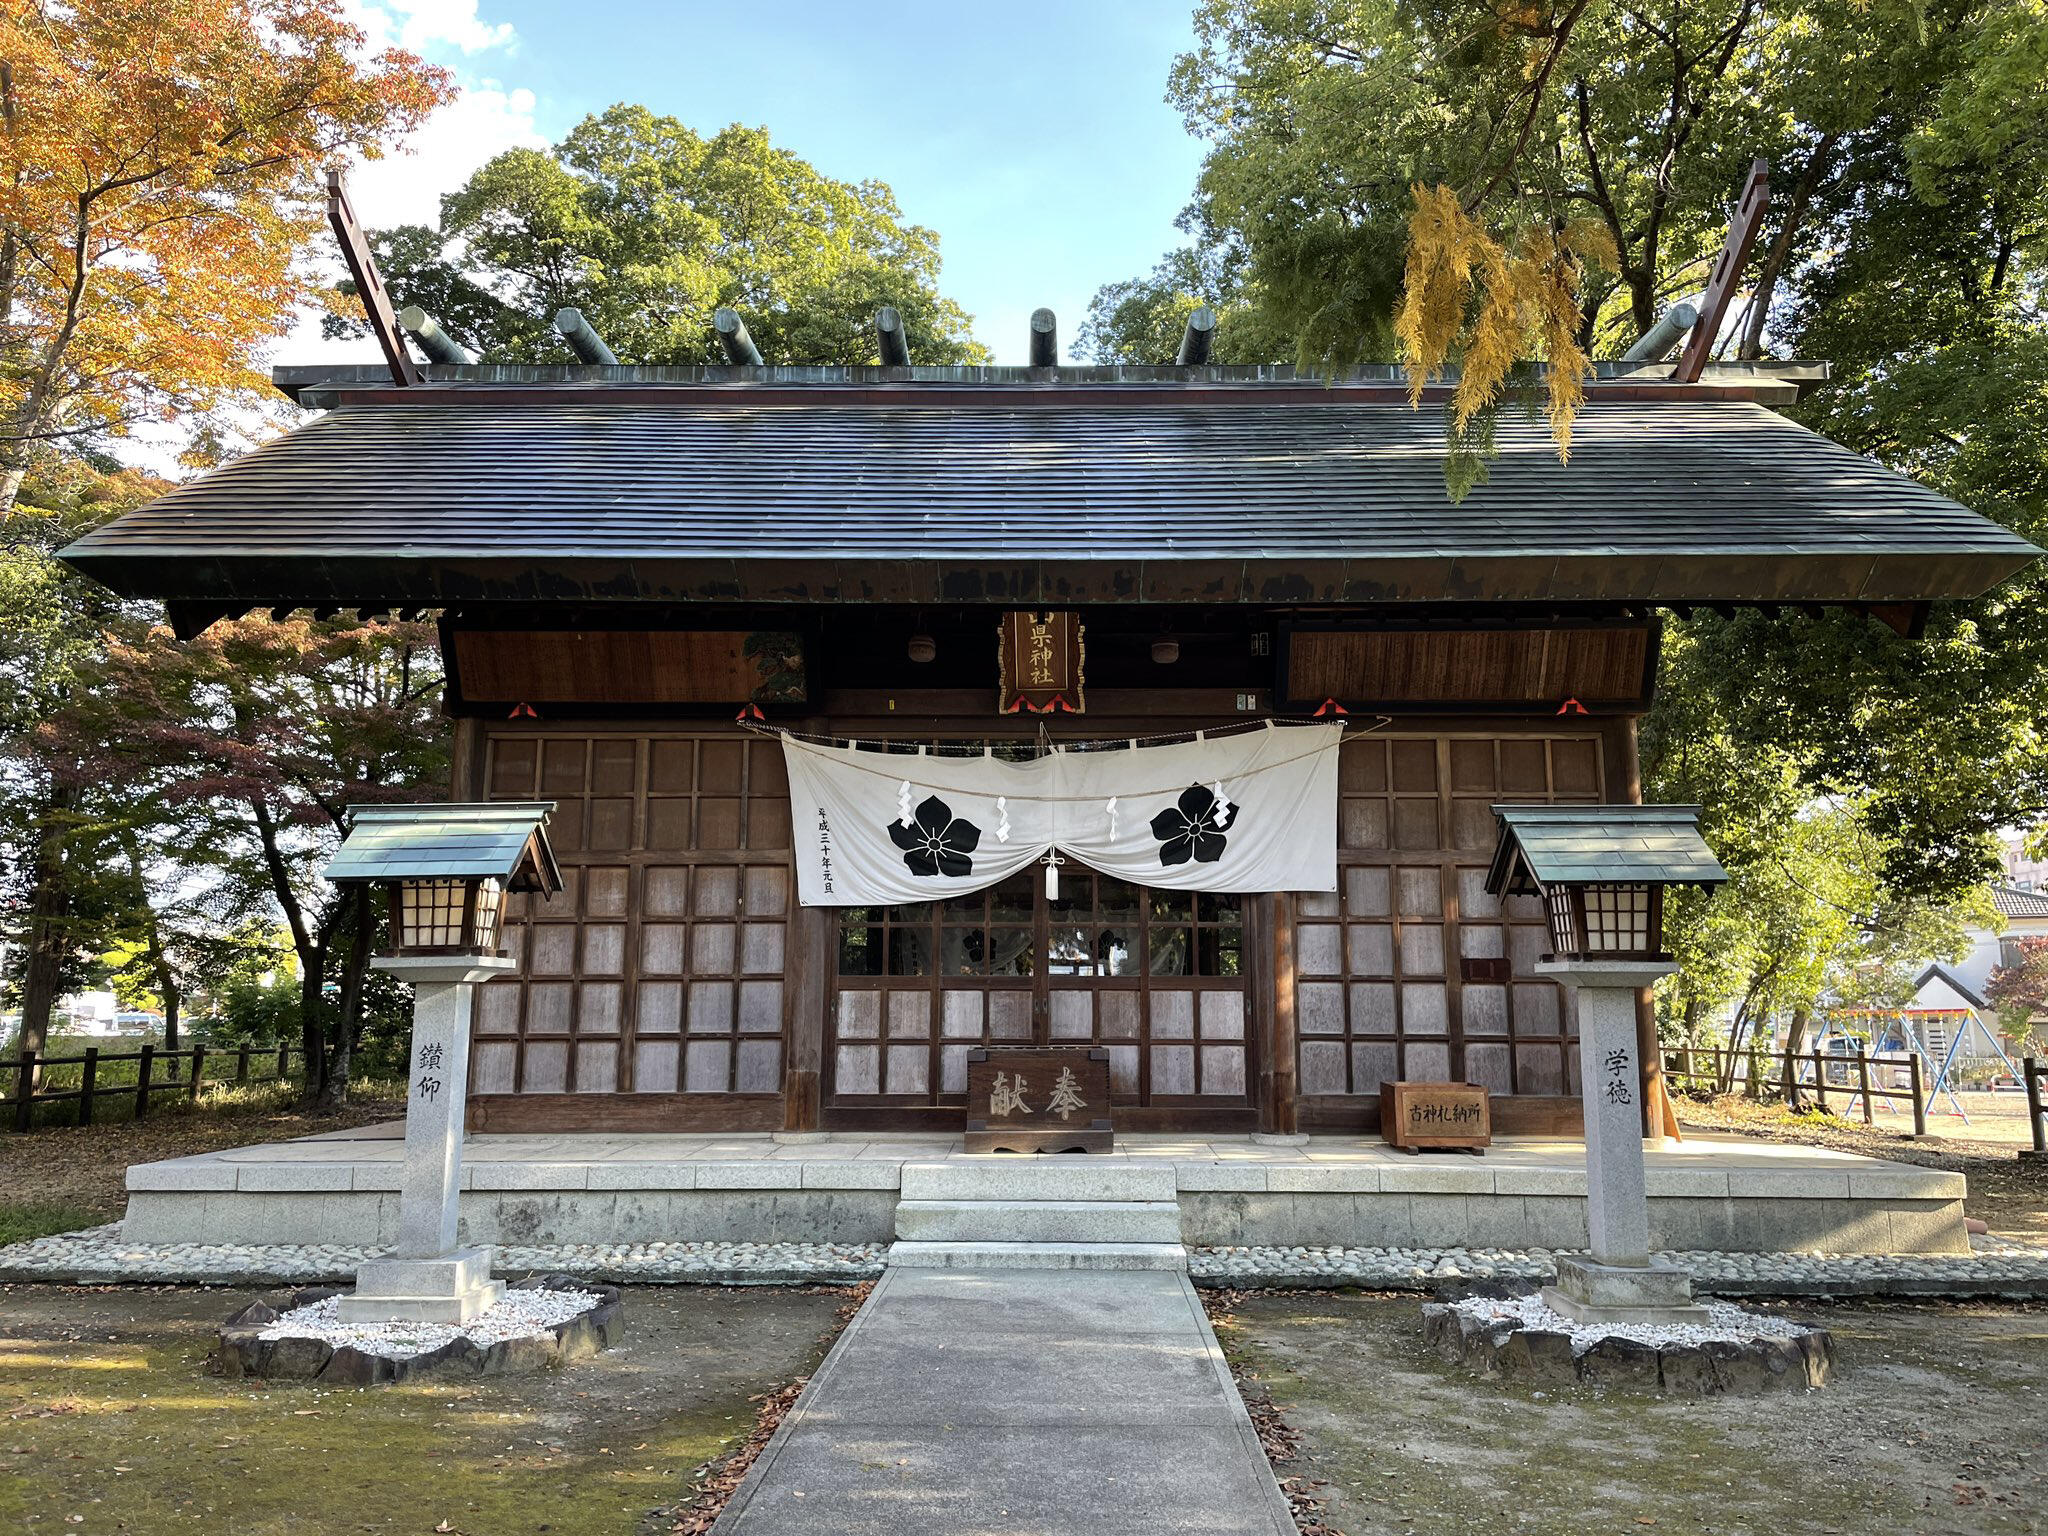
column 447, row 869
column 1601, row 872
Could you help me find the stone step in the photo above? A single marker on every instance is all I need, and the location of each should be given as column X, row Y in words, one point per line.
column 996, row 1177
column 936, row 1255
column 1039, row 1221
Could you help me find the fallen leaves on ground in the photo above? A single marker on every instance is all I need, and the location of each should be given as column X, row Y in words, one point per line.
column 1280, row 1440
column 715, row 1482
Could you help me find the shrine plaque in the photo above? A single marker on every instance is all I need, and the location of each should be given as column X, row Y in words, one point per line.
column 1046, row 1099
column 1040, row 663
column 1418, row 1115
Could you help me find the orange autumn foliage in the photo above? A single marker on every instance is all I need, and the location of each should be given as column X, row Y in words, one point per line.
column 1491, row 301
column 160, row 177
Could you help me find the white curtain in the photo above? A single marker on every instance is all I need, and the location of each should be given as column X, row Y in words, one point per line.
column 1251, row 810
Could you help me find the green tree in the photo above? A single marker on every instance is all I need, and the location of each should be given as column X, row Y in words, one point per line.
column 1812, row 915
column 1904, row 243
column 253, row 738
column 63, row 894
column 648, row 228
column 1142, row 320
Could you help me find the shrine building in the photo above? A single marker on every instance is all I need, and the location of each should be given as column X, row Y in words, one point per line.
column 889, row 719
column 624, row 559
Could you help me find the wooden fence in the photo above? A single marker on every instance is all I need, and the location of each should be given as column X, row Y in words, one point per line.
column 2037, row 1114
column 1856, row 1078
column 40, row 1079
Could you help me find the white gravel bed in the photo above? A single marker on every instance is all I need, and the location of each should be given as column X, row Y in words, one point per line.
column 521, row 1315
column 1725, row 1322
column 2008, row 1270
column 99, row 1254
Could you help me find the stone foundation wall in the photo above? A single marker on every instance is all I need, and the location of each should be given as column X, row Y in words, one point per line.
column 1731, row 1224
column 1208, row 1219
column 369, row 1219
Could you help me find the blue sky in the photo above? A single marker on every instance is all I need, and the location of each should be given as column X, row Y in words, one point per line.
column 1034, row 138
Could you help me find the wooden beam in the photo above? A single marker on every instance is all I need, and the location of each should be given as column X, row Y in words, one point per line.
column 1195, row 340
column 439, row 346
column 582, row 337
column 1045, row 339
column 890, row 341
column 1908, row 620
column 740, row 350
column 362, row 267
column 190, row 620
column 1743, row 228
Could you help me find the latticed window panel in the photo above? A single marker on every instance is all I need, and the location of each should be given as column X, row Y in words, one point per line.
column 659, row 967
column 1399, row 973
column 435, row 914
column 1156, row 978
column 1618, row 919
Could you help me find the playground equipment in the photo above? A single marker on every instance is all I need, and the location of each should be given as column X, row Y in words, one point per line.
column 1906, row 1029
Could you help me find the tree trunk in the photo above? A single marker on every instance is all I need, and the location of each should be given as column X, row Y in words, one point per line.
column 1779, row 255
column 348, row 1017
column 48, row 927
column 1795, row 1046
column 312, row 1037
column 1753, row 1083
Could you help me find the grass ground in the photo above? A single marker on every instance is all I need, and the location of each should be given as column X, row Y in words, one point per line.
column 109, row 1422
column 1934, row 1424
column 64, row 1177
column 2007, row 1195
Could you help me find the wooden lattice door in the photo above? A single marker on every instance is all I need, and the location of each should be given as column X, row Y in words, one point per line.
column 1156, row 978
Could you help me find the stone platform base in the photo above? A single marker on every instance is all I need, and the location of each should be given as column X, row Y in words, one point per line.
column 241, row 1349
column 1725, row 1195
column 1507, row 1350
column 452, row 1289
column 1589, row 1293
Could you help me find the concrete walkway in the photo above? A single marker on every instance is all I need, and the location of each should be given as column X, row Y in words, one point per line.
column 1037, row 1403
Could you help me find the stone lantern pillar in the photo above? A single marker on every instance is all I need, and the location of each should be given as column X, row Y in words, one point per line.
column 430, row 1277
column 1600, row 872
column 1619, row 1282
column 446, row 871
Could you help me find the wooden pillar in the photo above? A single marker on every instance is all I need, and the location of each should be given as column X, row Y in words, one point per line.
column 1624, row 785
column 804, row 987
column 466, row 761
column 1280, row 1105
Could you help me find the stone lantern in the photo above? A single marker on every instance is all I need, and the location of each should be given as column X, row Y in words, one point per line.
column 1601, row 872
column 445, row 871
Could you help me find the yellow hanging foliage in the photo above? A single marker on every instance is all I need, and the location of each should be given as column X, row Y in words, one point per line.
column 1487, row 302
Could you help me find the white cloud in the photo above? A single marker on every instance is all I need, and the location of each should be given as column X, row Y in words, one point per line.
column 423, row 26
column 406, row 187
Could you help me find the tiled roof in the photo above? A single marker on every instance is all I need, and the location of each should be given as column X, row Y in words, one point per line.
column 1626, row 844
column 2011, row 901
column 1075, row 496
column 401, row 842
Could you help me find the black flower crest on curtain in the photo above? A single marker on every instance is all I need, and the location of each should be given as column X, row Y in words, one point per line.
column 1192, row 828
column 939, row 842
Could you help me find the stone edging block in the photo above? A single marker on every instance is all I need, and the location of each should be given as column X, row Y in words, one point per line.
column 1497, row 1348
column 243, row 1351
